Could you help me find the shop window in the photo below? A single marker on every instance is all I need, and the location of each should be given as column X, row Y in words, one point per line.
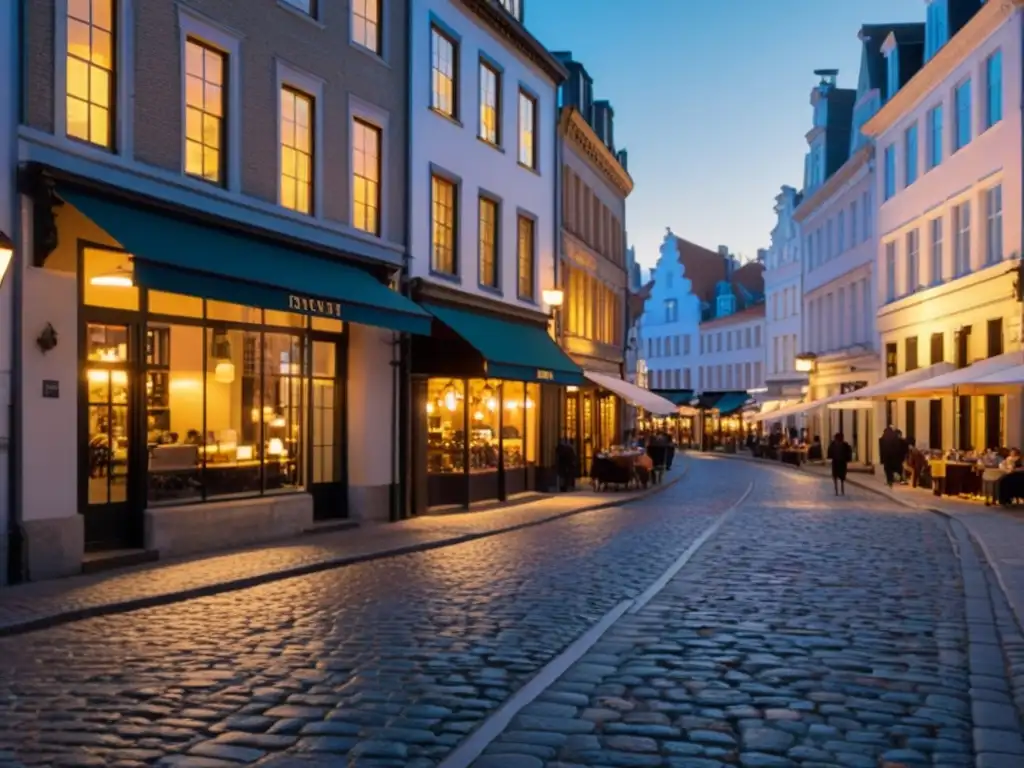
column 484, row 425
column 107, row 413
column 935, row 425
column 446, row 433
column 993, row 422
column 161, row 303
column 325, row 463
column 280, row 319
column 328, row 324
column 233, row 313
column 106, row 343
column 532, row 423
column 514, row 425
column 107, row 279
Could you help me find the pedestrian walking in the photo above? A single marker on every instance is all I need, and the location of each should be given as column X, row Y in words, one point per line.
column 840, row 454
column 890, row 453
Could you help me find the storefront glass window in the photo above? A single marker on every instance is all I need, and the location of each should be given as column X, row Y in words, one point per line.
column 326, row 460
column 532, row 423
column 484, row 425
column 446, row 431
column 514, row 399
column 284, row 407
column 107, row 279
column 162, row 303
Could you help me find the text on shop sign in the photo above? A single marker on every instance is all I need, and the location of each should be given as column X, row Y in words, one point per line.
column 314, row 306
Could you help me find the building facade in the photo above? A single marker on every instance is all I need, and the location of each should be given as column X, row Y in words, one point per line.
column 783, row 285
column 592, row 267
column 203, row 258
column 484, row 231
column 948, row 144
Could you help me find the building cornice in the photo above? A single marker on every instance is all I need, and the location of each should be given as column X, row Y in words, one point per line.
column 424, row 290
column 834, row 184
column 987, row 20
column 577, row 132
column 504, row 23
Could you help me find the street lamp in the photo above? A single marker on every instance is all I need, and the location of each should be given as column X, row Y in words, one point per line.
column 554, row 298
column 6, row 254
column 805, row 363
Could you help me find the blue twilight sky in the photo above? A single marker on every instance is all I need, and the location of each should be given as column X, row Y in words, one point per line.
column 711, row 100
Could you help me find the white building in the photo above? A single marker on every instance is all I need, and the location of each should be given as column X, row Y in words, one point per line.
column 484, row 170
column 949, row 184
column 732, row 352
column 783, row 285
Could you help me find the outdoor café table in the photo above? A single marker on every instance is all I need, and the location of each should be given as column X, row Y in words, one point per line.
column 961, row 479
column 793, row 456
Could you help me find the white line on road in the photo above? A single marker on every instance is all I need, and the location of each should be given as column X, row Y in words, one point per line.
column 490, row 729
column 651, row 592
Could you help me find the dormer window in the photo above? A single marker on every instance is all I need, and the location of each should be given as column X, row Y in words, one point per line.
column 515, row 7
column 936, row 31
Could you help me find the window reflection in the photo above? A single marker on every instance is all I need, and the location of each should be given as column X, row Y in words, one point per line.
column 485, row 420
column 514, row 401
column 446, row 435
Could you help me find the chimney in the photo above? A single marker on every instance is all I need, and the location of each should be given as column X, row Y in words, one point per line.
column 604, row 122
column 828, row 79
column 623, row 157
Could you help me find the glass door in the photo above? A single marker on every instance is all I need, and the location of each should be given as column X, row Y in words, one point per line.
column 111, row 461
column 327, row 470
column 587, row 421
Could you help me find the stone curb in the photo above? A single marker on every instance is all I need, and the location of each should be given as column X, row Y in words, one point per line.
column 234, row 585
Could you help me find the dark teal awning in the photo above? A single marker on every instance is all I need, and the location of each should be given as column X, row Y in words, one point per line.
column 511, row 349
column 730, row 402
column 181, row 256
column 676, row 396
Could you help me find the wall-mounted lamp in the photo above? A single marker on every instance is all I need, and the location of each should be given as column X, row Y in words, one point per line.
column 553, row 297
column 805, row 363
column 6, row 254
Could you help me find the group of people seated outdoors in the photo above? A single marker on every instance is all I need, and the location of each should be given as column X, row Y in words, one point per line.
column 641, row 459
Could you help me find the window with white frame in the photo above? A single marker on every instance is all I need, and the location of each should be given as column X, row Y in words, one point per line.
column 962, row 239
column 91, row 71
column 527, row 130
column 994, row 224
column 962, row 127
column 366, row 176
column 205, row 124
column 890, row 271
column 935, row 235
column 297, row 134
column 913, row 257
column 444, row 73
column 366, row 24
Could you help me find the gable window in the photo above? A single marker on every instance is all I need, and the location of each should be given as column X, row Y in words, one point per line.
column 296, row 150
column 671, row 315
column 994, row 224
column 366, row 29
column 490, row 104
column 962, row 135
column 91, row 71
column 205, row 70
column 962, row 238
column 910, row 155
column 444, row 73
column 913, row 258
column 366, row 173
column 890, row 171
column 935, row 231
column 305, row 6
column 994, row 89
column 488, row 242
column 934, row 136
column 527, row 130
column 526, row 257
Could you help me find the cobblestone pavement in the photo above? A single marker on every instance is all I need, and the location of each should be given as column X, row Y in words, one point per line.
column 38, row 601
column 810, row 632
column 390, row 662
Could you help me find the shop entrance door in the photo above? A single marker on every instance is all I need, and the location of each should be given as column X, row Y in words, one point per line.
column 327, row 457
column 112, row 461
column 587, row 431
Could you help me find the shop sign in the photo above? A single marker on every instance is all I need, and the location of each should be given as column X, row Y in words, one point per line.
column 51, row 389
column 312, row 306
column 545, row 375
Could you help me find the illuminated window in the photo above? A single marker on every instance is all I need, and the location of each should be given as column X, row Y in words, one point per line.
column 527, row 130
column 366, row 24
column 526, row 258
column 90, row 71
column 444, row 73
column 296, row 150
column 366, row 176
column 443, row 257
column 488, row 242
column 204, row 112
column 490, row 104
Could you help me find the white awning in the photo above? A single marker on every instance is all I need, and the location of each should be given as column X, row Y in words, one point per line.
column 974, row 379
column 769, row 409
column 852, row 405
column 1010, row 377
column 794, row 410
column 631, row 393
column 895, row 383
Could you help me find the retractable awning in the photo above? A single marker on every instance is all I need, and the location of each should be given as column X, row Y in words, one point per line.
column 511, row 349
column 730, row 402
column 182, row 256
column 895, row 384
column 810, row 405
column 975, row 379
column 631, row 393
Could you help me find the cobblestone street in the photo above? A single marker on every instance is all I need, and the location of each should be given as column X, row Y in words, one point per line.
column 808, row 631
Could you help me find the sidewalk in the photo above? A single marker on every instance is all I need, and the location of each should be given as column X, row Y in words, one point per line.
column 999, row 532
column 36, row 605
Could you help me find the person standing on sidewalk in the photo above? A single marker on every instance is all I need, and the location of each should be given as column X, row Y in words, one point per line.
column 840, row 454
column 890, row 454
